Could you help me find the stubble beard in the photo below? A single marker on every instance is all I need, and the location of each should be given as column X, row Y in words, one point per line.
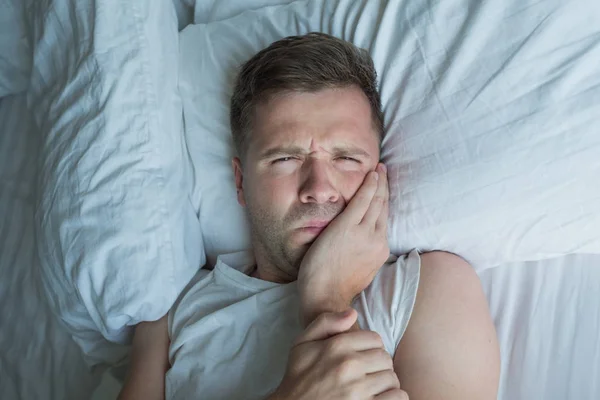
column 271, row 235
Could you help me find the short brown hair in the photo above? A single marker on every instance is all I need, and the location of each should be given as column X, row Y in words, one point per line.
column 306, row 63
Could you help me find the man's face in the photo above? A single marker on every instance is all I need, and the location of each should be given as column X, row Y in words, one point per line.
column 307, row 155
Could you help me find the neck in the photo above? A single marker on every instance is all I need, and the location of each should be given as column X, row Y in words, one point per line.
column 261, row 274
column 267, row 270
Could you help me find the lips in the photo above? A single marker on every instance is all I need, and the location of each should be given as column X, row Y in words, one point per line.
column 316, row 224
column 314, row 227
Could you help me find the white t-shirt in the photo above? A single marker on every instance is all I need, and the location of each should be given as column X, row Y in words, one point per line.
column 231, row 334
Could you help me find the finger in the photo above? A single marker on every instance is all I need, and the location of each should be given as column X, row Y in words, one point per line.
column 354, row 341
column 377, row 202
column 327, row 325
column 358, row 206
column 394, row 394
column 381, row 382
column 375, row 360
column 382, row 220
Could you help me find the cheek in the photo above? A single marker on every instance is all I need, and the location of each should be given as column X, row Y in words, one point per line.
column 350, row 185
column 273, row 195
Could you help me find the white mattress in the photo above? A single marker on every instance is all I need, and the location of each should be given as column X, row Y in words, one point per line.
column 547, row 313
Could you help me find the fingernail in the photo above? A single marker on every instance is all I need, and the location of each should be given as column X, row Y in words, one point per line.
column 376, row 176
column 383, row 168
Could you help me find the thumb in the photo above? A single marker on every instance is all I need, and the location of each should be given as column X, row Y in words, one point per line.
column 327, row 325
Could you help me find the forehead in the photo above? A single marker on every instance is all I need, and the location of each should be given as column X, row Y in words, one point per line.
column 329, row 117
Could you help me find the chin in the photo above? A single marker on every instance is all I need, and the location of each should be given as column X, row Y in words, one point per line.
column 296, row 253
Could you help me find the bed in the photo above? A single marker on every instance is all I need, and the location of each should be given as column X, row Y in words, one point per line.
column 38, row 359
column 546, row 310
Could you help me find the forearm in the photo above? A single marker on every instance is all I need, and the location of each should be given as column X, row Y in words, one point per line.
column 149, row 362
column 145, row 382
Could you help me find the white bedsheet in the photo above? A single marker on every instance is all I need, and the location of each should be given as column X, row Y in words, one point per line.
column 547, row 314
column 38, row 360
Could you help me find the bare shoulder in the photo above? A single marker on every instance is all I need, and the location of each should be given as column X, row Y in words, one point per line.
column 448, row 272
column 448, row 286
column 450, row 338
column 443, row 258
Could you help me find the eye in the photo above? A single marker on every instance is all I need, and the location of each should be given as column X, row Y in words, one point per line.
column 349, row 159
column 282, row 159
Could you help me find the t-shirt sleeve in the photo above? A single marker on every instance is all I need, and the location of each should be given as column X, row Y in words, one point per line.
column 387, row 304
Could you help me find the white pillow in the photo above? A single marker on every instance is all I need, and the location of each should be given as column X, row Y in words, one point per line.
column 117, row 236
column 216, row 10
column 492, row 112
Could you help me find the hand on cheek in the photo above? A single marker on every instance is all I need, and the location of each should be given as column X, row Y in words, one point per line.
column 346, row 256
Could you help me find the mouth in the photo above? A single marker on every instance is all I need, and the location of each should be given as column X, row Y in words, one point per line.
column 314, row 227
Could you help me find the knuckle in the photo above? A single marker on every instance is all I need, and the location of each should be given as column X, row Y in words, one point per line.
column 346, row 367
column 392, row 378
column 300, row 361
column 385, row 356
column 384, row 252
column 295, row 369
column 378, row 200
column 334, row 345
column 376, row 338
column 390, row 364
column 398, row 394
column 322, row 320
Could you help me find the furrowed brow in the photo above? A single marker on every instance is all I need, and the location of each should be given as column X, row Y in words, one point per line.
column 350, row 151
column 282, row 151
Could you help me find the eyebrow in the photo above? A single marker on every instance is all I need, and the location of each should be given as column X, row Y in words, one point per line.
column 350, row 151
column 297, row 150
column 282, row 150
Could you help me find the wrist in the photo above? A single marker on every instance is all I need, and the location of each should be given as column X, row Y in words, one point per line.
column 313, row 306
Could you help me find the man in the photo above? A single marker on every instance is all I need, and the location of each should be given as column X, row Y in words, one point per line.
column 313, row 314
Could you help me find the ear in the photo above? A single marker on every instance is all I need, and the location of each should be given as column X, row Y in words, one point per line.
column 236, row 163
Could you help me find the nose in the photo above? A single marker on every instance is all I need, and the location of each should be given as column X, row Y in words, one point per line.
column 317, row 186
